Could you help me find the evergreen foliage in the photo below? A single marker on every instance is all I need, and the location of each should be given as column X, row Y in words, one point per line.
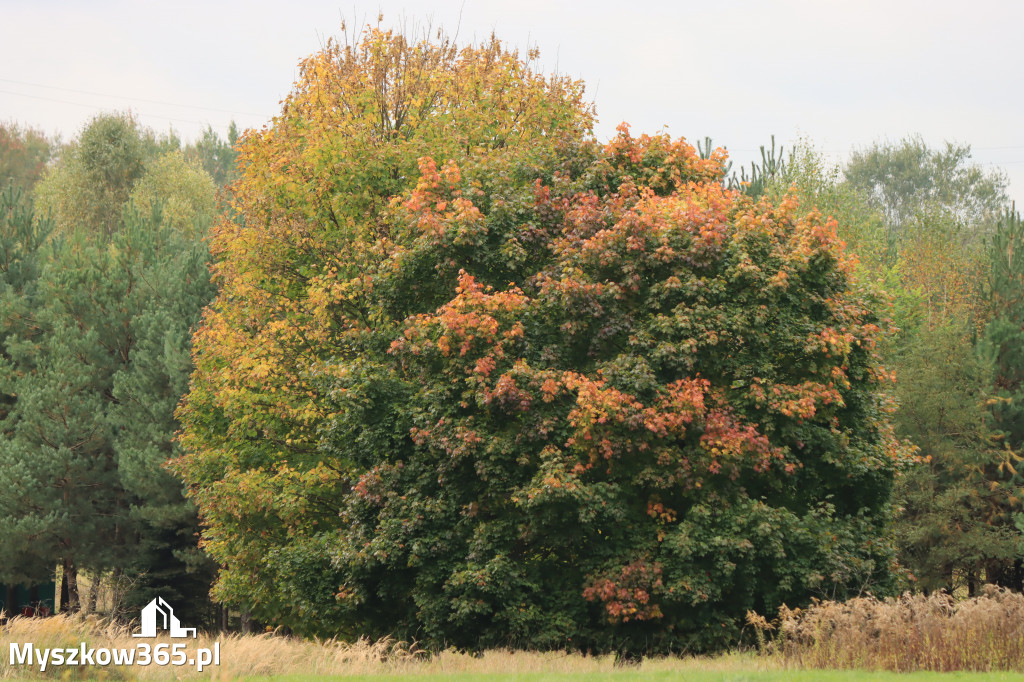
column 96, row 335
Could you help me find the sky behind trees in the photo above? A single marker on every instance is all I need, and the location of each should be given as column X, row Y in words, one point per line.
column 840, row 76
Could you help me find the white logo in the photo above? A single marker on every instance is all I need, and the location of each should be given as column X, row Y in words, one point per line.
column 159, row 609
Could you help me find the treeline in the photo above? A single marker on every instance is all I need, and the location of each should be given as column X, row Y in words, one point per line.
column 938, row 234
column 469, row 376
column 103, row 277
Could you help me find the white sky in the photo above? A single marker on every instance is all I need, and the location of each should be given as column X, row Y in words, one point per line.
column 839, row 74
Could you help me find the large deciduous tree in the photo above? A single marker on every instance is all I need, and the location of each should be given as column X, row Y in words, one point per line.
column 474, row 379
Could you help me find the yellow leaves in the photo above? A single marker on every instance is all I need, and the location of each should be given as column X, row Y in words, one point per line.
column 262, row 370
column 779, row 280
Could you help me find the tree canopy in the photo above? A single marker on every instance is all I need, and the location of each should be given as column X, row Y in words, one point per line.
column 95, row 328
column 24, row 154
column 903, row 179
column 475, row 379
column 926, row 225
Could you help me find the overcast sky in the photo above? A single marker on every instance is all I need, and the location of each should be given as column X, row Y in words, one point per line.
column 838, row 74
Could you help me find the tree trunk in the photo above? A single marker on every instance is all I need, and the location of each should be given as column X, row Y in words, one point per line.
column 94, row 589
column 11, row 601
column 117, row 591
column 71, row 577
column 62, row 606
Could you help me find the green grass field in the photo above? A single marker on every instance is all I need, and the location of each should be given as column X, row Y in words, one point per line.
column 689, row 676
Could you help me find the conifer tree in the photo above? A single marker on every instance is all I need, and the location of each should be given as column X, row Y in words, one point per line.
column 96, row 334
column 1003, row 346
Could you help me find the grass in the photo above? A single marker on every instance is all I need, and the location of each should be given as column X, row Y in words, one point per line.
column 862, row 639
column 687, row 674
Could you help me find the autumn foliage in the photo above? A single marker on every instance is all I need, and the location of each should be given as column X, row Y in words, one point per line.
column 474, row 379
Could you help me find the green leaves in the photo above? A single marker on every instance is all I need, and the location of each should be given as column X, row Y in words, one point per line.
column 516, row 393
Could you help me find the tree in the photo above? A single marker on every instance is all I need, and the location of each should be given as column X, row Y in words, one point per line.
column 96, row 328
column 61, row 500
column 21, row 241
column 1002, row 344
column 91, row 383
column 215, row 155
column 954, row 529
column 313, row 205
column 24, row 155
column 184, row 192
column 905, row 178
column 528, row 391
column 96, row 173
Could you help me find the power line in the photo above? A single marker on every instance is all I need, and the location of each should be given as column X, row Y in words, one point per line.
column 138, row 99
column 100, row 108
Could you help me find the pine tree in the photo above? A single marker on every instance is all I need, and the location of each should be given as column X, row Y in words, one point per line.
column 96, row 356
column 1003, row 345
column 173, row 288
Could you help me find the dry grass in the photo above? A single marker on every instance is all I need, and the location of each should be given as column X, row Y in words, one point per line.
column 270, row 655
column 910, row 633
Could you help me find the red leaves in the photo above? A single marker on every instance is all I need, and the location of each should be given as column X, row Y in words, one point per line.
column 726, row 440
column 627, row 593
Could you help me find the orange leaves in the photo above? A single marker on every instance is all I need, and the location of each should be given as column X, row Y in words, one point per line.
column 437, row 208
column 800, row 401
column 680, row 403
column 598, row 405
column 728, row 441
column 484, row 366
column 611, row 425
column 549, row 389
column 627, row 593
column 661, row 163
column 474, row 319
column 657, row 510
column 686, row 228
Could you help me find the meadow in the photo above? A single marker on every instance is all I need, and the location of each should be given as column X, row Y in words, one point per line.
column 912, row 637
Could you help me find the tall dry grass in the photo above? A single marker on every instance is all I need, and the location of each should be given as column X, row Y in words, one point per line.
column 913, row 632
column 272, row 655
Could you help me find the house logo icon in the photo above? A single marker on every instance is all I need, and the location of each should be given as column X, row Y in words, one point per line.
column 159, row 613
